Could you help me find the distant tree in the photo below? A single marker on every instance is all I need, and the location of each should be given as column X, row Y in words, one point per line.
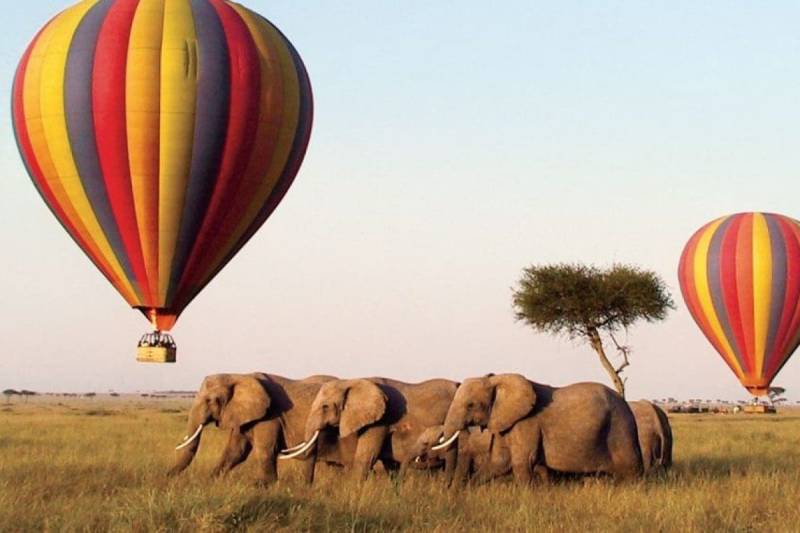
column 27, row 393
column 90, row 394
column 114, row 394
column 775, row 393
column 586, row 302
column 8, row 393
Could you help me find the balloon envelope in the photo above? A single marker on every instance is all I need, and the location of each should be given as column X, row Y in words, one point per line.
column 740, row 278
column 161, row 134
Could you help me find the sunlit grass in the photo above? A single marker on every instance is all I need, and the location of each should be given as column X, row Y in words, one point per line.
column 93, row 465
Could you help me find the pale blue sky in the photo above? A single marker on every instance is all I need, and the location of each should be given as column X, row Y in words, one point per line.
column 454, row 144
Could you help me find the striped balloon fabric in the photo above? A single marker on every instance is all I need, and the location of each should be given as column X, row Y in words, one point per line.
column 162, row 134
column 740, row 278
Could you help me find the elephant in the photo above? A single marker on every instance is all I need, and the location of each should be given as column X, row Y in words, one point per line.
column 262, row 414
column 479, row 452
column 584, row 428
column 375, row 419
column 655, row 435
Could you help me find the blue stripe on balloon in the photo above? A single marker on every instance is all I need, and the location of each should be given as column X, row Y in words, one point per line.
column 778, row 289
column 80, row 127
column 211, row 124
column 295, row 158
column 714, row 273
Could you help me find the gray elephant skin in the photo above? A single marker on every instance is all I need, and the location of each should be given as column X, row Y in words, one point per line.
column 655, row 435
column 480, row 453
column 377, row 419
column 262, row 414
column 585, row 428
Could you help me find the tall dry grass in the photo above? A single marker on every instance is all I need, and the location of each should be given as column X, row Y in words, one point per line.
column 92, row 465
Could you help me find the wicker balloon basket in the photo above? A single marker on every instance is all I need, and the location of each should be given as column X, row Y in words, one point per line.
column 156, row 347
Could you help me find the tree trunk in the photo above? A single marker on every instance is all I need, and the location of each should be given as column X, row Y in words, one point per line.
column 597, row 345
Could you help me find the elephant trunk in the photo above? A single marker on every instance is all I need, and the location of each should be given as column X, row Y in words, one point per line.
column 314, row 424
column 455, row 422
column 198, row 418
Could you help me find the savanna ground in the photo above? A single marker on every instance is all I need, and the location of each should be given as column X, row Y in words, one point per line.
column 80, row 464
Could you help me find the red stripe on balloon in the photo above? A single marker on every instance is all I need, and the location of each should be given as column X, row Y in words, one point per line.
column 35, row 170
column 790, row 316
column 727, row 260
column 744, row 284
column 296, row 156
column 109, row 110
column 272, row 118
column 245, row 94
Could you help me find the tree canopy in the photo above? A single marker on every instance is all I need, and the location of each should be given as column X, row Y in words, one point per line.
column 581, row 301
column 571, row 298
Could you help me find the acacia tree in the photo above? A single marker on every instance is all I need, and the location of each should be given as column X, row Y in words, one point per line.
column 584, row 301
column 8, row 393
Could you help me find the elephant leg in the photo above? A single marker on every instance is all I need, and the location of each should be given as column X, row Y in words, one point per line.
column 542, row 473
column 403, row 470
column 235, row 452
column 522, row 470
column 623, row 447
column 265, row 444
column 367, row 451
column 463, row 469
column 309, row 467
column 525, row 453
column 451, row 466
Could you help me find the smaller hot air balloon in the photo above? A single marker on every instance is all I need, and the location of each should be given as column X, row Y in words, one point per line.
column 740, row 278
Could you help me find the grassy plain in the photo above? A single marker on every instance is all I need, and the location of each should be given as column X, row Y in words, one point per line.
column 79, row 464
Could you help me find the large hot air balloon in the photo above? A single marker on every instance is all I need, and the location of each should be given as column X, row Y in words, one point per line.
column 740, row 278
column 161, row 134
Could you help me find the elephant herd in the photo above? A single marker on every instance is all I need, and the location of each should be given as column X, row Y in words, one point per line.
column 483, row 428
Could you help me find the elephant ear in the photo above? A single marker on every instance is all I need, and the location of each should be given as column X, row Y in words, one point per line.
column 364, row 404
column 514, row 398
column 249, row 401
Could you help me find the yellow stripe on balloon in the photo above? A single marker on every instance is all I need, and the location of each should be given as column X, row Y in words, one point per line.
column 279, row 61
column 704, row 293
column 178, row 100
column 143, row 106
column 61, row 172
column 762, row 287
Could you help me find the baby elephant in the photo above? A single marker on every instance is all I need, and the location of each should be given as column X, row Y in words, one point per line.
column 479, row 454
column 655, row 435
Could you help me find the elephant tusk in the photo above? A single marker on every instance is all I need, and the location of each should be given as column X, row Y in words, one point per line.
column 187, row 439
column 418, row 459
column 445, row 444
column 293, row 448
column 299, row 450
